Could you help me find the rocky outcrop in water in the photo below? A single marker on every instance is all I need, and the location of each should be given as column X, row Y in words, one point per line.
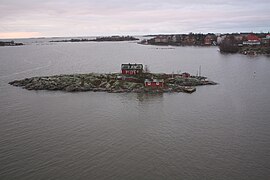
column 10, row 43
column 101, row 39
column 114, row 83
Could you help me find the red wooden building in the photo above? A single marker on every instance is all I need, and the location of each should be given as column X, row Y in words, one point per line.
column 154, row 83
column 131, row 69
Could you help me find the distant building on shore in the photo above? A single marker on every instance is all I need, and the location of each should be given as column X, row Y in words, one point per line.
column 185, row 75
column 252, row 39
column 210, row 40
column 162, row 39
column 266, row 40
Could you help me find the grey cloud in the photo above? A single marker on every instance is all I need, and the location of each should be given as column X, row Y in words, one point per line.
column 94, row 17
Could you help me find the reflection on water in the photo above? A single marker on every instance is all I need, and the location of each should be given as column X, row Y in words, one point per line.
column 152, row 97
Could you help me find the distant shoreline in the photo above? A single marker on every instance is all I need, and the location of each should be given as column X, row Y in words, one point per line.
column 101, row 39
column 244, row 43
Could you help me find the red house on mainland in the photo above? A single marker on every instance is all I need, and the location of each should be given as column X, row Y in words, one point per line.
column 131, row 69
column 154, row 83
column 252, row 39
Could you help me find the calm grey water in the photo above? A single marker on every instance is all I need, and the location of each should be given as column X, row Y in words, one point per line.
column 218, row 132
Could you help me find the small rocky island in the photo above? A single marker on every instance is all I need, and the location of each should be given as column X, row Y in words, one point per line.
column 10, row 43
column 132, row 79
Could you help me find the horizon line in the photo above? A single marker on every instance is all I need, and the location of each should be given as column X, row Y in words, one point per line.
column 124, row 34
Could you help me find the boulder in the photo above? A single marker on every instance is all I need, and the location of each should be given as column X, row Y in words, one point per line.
column 96, row 82
column 108, row 85
column 103, row 84
column 72, row 88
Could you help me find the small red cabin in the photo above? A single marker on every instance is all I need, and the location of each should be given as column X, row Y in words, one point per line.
column 131, row 69
column 154, row 83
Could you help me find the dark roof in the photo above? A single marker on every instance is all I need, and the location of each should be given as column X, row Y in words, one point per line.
column 153, row 80
column 132, row 66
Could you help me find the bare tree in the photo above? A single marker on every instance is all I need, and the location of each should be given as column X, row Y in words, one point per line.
column 229, row 45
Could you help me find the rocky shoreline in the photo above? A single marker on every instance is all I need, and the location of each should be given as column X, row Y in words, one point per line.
column 112, row 83
column 256, row 50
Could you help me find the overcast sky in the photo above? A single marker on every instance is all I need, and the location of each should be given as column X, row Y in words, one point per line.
column 47, row 18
